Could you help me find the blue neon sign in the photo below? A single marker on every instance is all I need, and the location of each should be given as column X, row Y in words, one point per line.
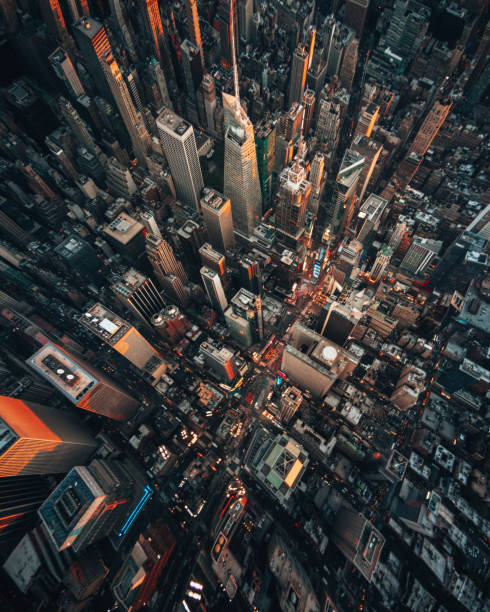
column 139, row 507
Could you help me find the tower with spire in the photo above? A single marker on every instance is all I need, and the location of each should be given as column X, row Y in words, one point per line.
column 241, row 177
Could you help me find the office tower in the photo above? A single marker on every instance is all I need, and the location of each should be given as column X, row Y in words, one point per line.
column 158, row 77
column 150, row 223
column 344, row 196
column 211, row 258
column 316, row 170
column 154, row 29
column 133, row 121
column 308, row 103
column 55, row 22
column 421, row 252
column 209, row 95
column 245, row 15
column 126, row 235
column 407, row 28
column 349, row 63
column 336, row 322
column 355, row 12
column 91, row 38
column 220, row 360
column 136, row 581
column 328, row 124
column 214, row 289
column 35, row 439
column 369, row 217
column 244, row 317
column 20, row 498
column 85, row 386
column 358, row 540
column 170, row 324
column 265, row 145
column 162, row 258
column 292, row 199
column 193, row 26
column 371, row 150
column 249, row 271
column 481, row 224
column 216, row 210
column 410, row 385
column 179, row 146
column 290, row 401
column 191, row 68
column 87, row 505
column 397, row 236
column 316, row 75
column 64, row 69
column 241, row 178
column 76, row 124
column 80, row 258
column 228, row 31
column 175, row 289
column 380, row 264
column 430, row 126
column 367, row 120
column 119, row 180
column 297, row 78
column 315, row 363
column 125, row 339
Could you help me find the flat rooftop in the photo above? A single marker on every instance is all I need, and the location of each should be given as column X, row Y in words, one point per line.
column 123, row 229
column 69, row 377
column 104, row 323
column 213, row 199
column 171, row 122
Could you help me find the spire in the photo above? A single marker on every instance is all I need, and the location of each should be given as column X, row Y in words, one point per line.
column 233, row 56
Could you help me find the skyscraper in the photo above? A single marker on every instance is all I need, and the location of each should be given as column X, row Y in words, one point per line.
column 64, row 69
column 154, row 29
column 94, row 45
column 138, row 294
column 265, row 144
column 87, row 505
column 150, row 223
column 380, row 264
column 292, row 199
column 355, row 12
column 245, row 15
column 244, row 317
column 125, row 339
column 228, row 31
column 430, row 126
column 214, row 289
column 191, row 67
column 35, row 439
column 162, row 258
column 179, row 146
column 55, row 22
column 133, row 121
column 193, row 26
column 420, row 254
column 297, row 78
column 85, row 386
column 249, row 271
column 219, row 360
column 308, row 103
column 209, row 95
column 216, row 210
column 241, row 177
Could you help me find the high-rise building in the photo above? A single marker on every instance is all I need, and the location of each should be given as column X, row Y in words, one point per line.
column 125, row 339
column 397, row 235
column 209, row 95
column 64, row 69
column 430, row 126
column 211, row 258
column 407, row 28
column 297, row 78
column 328, row 124
column 380, row 264
column 244, row 317
column 175, row 289
column 421, row 252
column 349, row 62
column 245, row 15
column 55, row 22
column 133, row 121
column 220, row 360
column 371, row 150
column 35, row 439
column 358, row 540
column 308, row 103
column 179, row 146
column 137, row 293
column 249, row 271
column 214, row 289
column 119, row 179
column 355, row 12
column 162, row 258
column 126, row 235
column 290, row 401
column 241, row 177
column 8, row 12
column 369, row 216
column 367, row 120
column 170, row 324
column 265, row 144
column 228, row 31
column 80, row 258
column 193, row 26
column 136, row 581
column 77, row 125
column 292, row 199
column 87, row 505
column 92, row 40
column 481, row 223
column 216, row 210
column 344, row 196
column 154, row 29
column 150, row 223
column 85, row 386
column 191, row 67
column 20, row 498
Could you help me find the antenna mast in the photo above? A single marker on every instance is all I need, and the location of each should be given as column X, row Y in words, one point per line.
column 233, row 54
